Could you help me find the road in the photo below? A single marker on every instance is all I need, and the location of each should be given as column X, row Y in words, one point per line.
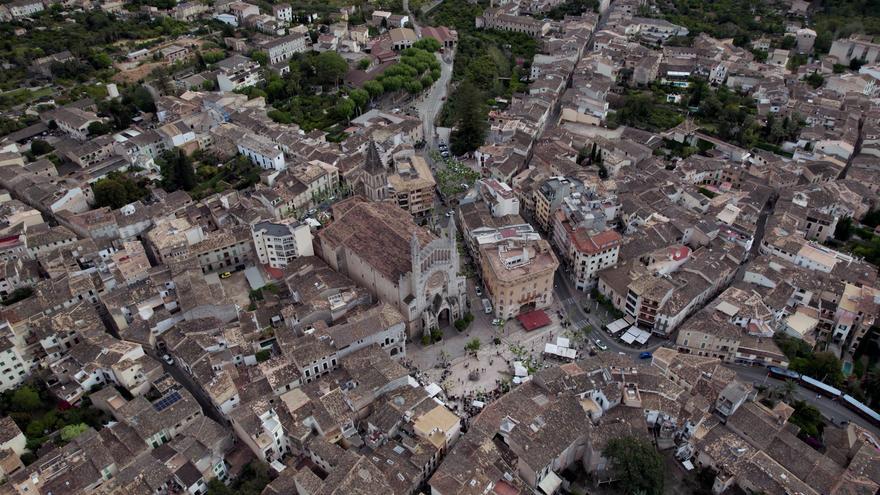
column 188, row 383
column 412, row 19
column 833, row 410
column 429, row 106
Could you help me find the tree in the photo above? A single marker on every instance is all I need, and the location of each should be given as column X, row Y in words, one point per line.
column 427, row 44
column 329, row 68
column 26, row 399
column 636, row 465
column 109, row 192
column 364, row 64
column 815, row 79
column 472, row 346
column 259, row 57
column 374, row 88
column 808, row 418
column 787, row 390
column 40, row 147
column 856, row 64
column 788, row 42
column 360, row 98
column 98, row 129
column 69, row 432
column 177, row 170
column 471, row 123
column 140, row 97
column 344, row 108
column 100, row 60
column 413, row 87
column 823, row 366
column 844, row 229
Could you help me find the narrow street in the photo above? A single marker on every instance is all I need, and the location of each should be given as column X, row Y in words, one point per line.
column 190, row 385
column 429, row 106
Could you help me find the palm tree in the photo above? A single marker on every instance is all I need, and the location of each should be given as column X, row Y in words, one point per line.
column 786, row 391
column 444, row 357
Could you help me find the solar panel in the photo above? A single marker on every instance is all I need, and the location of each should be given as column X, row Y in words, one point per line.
column 167, row 401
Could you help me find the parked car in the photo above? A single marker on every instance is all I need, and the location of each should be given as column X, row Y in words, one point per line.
column 601, row 345
column 645, row 355
column 168, row 359
column 225, row 275
column 497, row 322
column 478, row 290
column 487, row 306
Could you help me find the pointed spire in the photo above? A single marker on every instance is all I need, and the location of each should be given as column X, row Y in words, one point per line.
column 373, row 163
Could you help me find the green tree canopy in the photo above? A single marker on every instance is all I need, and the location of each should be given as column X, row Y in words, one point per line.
column 109, row 192
column 117, row 190
column 360, row 97
column 69, row 432
column 471, row 123
column 636, row 464
column 808, row 418
column 259, row 57
column 26, row 399
column 374, row 88
column 98, row 128
column 823, row 366
column 344, row 108
column 330, row 68
column 177, row 170
column 40, row 147
column 427, row 44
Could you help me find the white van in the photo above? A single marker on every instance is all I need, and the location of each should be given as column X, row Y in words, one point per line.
column 487, row 306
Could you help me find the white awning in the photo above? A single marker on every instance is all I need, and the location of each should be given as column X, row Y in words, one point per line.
column 617, row 325
column 433, row 389
column 628, row 337
column 550, row 483
column 559, row 351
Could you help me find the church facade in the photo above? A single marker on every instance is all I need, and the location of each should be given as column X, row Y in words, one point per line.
column 380, row 247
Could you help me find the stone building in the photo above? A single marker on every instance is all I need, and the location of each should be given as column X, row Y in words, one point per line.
column 380, row 247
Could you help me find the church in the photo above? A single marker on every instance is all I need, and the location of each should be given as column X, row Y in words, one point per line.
column 379, row 246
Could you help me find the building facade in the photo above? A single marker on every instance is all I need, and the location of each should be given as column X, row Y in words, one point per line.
column 279, row 243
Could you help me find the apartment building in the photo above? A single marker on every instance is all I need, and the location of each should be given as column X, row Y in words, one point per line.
column 518, row 276
column 277, row 244
column 260, row 151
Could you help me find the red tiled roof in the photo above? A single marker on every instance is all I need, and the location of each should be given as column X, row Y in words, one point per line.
column 585, row 243
column 534, row 320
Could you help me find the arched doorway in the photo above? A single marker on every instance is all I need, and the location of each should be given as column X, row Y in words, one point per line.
column 443, row 318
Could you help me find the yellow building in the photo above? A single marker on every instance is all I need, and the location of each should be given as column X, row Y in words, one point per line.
column 518, row 275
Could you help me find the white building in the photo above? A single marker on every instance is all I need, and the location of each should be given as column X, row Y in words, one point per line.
column 260, row 151
column 500, row 197
column 277, row 244
column 13, row 369
column 283, row 12
column 281, row 49
column 24, row 8
column 237, row 72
